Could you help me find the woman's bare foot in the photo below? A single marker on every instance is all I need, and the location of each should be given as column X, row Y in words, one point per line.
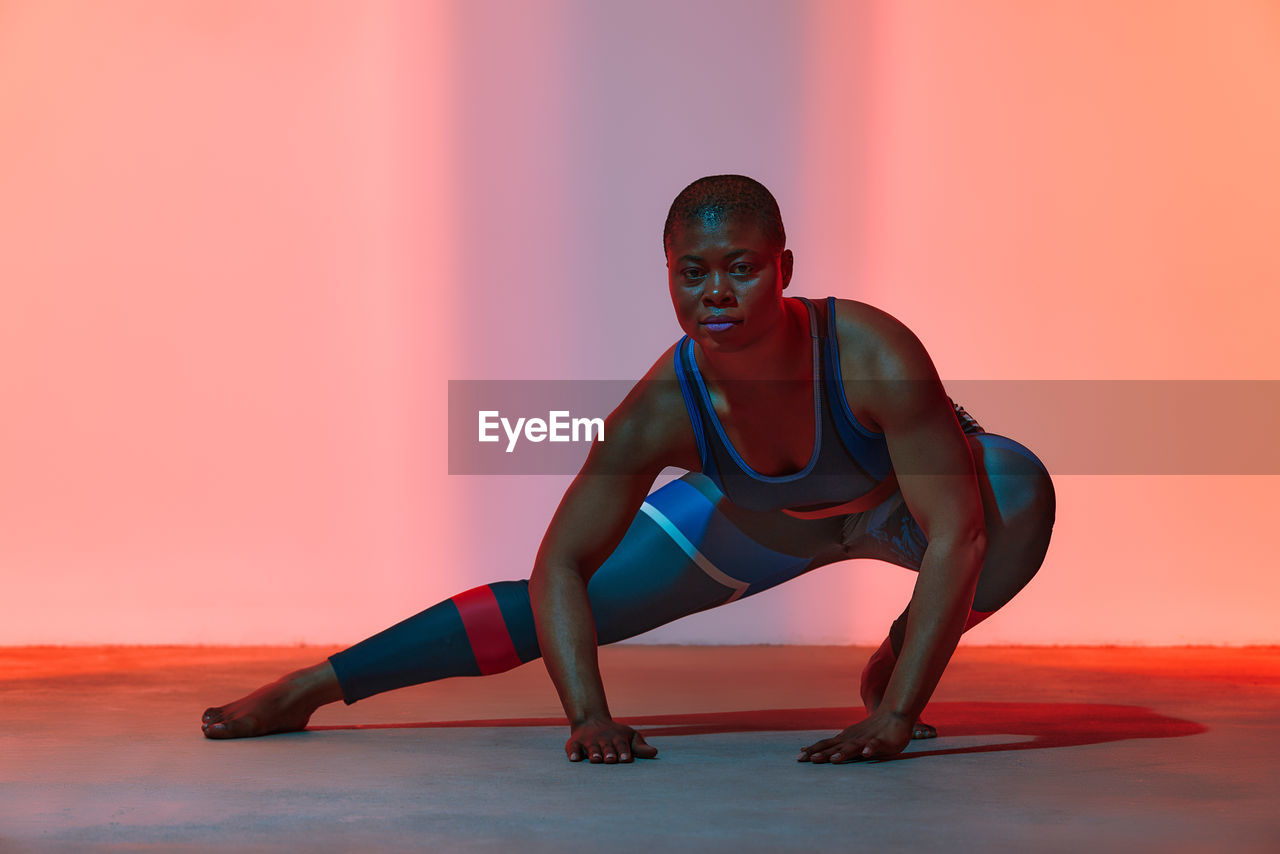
column 281, row 706
column 875, row 678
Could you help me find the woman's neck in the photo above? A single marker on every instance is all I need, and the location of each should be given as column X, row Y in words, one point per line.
column 784, row 354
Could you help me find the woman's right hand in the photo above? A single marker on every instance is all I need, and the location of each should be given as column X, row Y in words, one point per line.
column 605, row 740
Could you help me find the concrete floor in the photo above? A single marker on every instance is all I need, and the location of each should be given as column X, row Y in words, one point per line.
column 1041, row 749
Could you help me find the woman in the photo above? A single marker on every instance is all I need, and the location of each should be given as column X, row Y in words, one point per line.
column 813, row 432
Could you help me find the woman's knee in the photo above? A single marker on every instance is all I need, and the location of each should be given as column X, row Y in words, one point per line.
column 1017, row 486
column 1036, row 507
column 1021, row 505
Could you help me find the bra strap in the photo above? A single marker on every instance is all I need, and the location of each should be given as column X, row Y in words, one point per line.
column 683, row 356
column 813, row 317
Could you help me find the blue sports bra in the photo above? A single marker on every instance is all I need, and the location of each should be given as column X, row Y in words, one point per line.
column 845, row 476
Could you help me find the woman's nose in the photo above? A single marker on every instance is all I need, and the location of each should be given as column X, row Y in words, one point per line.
column 719, row 289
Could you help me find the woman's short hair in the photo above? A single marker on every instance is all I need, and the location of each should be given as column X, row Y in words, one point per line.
column 716, row 198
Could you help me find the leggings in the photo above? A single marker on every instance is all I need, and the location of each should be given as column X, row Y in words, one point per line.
column 690, row 549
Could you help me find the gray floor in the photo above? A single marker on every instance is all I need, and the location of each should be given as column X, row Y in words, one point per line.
column 1041, row 749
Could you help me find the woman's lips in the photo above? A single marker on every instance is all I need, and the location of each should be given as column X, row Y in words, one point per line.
column 719, row 324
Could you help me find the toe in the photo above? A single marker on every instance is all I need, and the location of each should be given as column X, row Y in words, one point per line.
column 211, row 714
column 216, row 730
column 923, row 730
column 244, row 726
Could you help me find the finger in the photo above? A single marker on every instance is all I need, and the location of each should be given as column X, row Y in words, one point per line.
column 820, row 756
column 841, row 751
column 816, row 746
column 849, row 752
column 642, row 748
column 819, row 747
column 834, row 748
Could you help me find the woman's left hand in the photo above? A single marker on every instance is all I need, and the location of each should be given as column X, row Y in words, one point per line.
column 880, row 734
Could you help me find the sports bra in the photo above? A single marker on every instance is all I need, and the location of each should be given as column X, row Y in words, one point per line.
column 849, row 470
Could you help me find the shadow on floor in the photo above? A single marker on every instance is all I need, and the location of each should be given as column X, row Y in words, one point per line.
column 1047, row 724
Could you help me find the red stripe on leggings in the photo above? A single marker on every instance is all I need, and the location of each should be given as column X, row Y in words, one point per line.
column 976, row 617
column 486, row 630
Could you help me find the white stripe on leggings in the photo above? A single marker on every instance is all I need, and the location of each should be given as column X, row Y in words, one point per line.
column 738, row 587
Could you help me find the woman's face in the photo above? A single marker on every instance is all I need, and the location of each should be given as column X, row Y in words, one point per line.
column 726, row 282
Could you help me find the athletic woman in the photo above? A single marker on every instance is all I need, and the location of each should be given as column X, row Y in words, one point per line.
column 812, row 431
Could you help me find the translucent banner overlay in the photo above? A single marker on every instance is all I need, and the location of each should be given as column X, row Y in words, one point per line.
column 1123, row 427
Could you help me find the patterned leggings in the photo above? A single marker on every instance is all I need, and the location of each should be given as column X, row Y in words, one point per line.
column 689, row 549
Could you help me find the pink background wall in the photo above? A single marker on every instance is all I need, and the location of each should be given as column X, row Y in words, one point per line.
column 244, row 246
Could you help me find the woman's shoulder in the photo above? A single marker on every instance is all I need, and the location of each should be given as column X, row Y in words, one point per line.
column 652, row 418
column 658, row 398
column 872, row 339
column 855, row 317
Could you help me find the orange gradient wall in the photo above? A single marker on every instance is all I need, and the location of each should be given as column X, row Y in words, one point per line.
column 244, row 246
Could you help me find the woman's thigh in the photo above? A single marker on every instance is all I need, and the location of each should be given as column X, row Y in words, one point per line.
column 1018, row 505
column 689, row 550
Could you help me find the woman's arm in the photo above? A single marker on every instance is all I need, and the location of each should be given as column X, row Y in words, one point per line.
column 590, row 521
column 645, row 434
column 936, row 473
